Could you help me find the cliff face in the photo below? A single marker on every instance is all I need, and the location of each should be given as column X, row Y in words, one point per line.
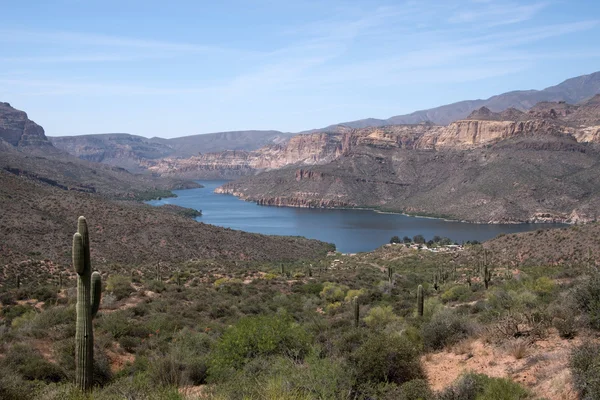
column 482, row 128
column 19, row 131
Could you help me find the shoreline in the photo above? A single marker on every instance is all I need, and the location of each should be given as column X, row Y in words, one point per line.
column 446, row 219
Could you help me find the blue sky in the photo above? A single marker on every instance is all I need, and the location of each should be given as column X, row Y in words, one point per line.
column 169, row 69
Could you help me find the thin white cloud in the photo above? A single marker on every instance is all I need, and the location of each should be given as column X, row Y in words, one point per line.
column 495, row 14
column 84, row 39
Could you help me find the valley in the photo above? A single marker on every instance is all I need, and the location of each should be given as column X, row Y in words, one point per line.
column 190, row 310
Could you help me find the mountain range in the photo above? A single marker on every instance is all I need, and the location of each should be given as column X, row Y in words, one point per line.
column 524, row 156
column 572, row 91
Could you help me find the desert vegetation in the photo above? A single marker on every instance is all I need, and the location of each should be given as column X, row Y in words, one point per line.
column 396, row 323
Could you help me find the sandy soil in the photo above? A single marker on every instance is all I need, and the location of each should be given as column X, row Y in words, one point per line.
column 543, row 367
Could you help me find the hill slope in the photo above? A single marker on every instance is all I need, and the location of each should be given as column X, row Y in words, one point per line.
column 129, row 151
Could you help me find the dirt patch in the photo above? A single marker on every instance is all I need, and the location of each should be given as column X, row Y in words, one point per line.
column 118, row 358
column 543, row 368
column 44, row 347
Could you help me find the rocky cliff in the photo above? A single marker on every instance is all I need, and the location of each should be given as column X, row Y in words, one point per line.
column 19, row 131
column 513, row 166
column 482, row 128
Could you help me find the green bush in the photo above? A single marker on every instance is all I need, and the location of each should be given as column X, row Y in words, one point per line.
column 386, row 358
column 587, row 298
column 446, row 327
column 585, row 367
column 417, row 389
column 381, row 316
column 455, row 293
column 333, row 292
column 13, row 387
column 284, row 378
column 31, row 365
column 119, row 285
column 473, row 386
column 257, row 336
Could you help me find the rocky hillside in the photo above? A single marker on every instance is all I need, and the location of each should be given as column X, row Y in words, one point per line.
column 131, row 152
column 38, row 220
column 541, row 166
column 26, row 152
column 572, row 90
column 43, row 190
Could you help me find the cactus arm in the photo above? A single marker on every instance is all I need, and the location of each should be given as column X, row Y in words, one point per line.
column 82, row 228
column 78, row 256
column 96, row 292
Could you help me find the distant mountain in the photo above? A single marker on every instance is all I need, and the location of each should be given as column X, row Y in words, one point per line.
column 126, row 151
column 572, row 91
column 26, row 152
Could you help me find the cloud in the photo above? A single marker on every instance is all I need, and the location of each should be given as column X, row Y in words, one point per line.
column 495, row 14
column 87, row 40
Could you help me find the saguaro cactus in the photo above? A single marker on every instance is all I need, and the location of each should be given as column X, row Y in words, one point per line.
column 356, row 311
column 487, row 276
column 390, row 272
column 420, row 300
column 88, row 302
column 18, row 281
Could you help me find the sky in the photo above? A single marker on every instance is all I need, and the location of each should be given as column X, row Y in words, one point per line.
column 169, row 69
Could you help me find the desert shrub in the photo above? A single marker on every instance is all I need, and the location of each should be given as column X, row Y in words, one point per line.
column 257, row 336
column 56, row 322
column 380, row 316
column 284, row 378
column 156, row 286
column 333, row 292
column 417, row 389
column 352, row 293
column 455, row 293
column 473, row 386
column 31, row 365
column 129, row 343
column 117, row 323
column 587, row 298
column 23, row 319
column 13, row 387
column 386, row 358
column 564, row 318
column 445, row 327
column 543, row 286
column 11, row 312
column 135, row 387
column 119, row 285
column 45, row 293
column 312, row 288
column 585, row 367
column 167, row 370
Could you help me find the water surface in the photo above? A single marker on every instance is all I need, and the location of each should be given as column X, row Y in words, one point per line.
column 351, row 230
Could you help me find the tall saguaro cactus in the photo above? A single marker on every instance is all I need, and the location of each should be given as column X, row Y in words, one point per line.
column 420, row 300
column 486, row 276
column 356, row 311
column 88, row 301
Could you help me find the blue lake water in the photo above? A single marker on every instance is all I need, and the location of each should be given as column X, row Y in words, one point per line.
column 351, row 230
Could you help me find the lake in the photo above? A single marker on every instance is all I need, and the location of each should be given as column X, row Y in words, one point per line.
column 352, row 231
